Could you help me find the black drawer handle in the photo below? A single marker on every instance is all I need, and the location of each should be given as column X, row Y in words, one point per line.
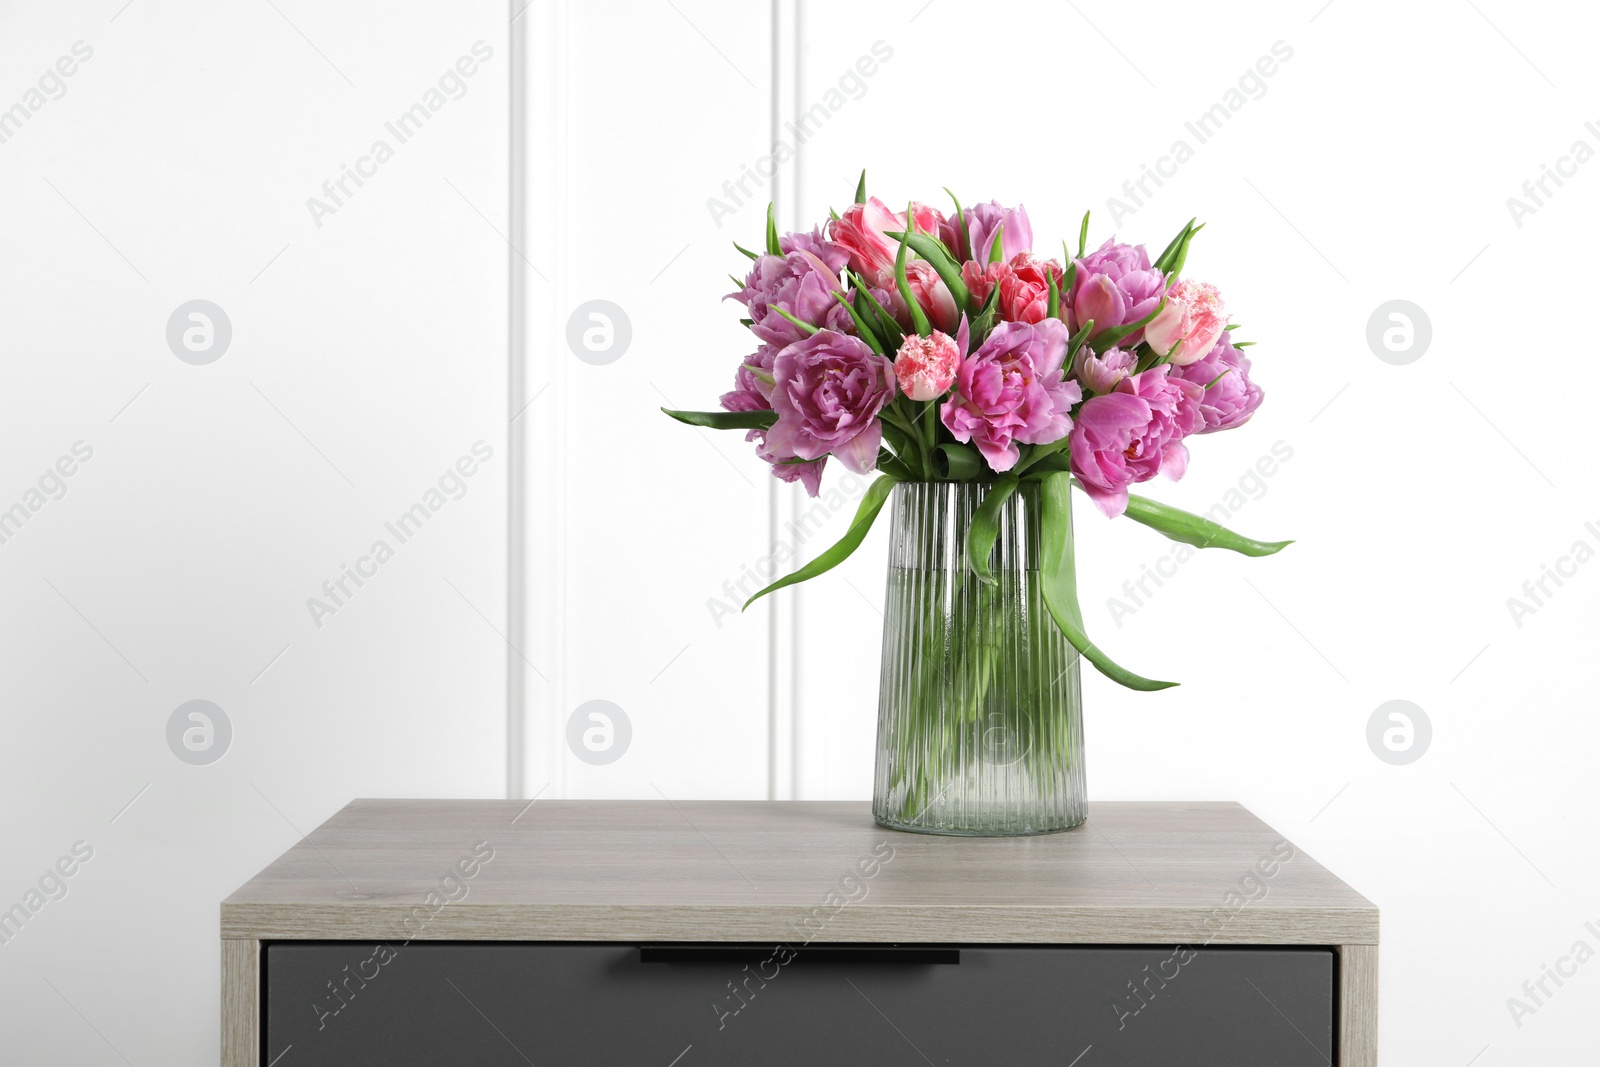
column 864, row 955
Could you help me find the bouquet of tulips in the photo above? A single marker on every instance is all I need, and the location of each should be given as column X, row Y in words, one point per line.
column 933, row 347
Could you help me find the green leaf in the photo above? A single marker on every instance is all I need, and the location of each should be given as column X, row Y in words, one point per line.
column 1083, row 235
column 1077, row 342
column 1241, row 344
column 1048, row 463
column 939, row 257
column 996, row 248
column 806, row 326
column 871, row 504
column 1060, row 581
column 985, row 320
column 1109, row 338
column 772, row 231
column 1176, row 253
column 862, row 329
column 861, row 187
column 888, row 329
column 746, row 251
column 962, row 463
column 726, row 420
column 1195, row 530
column 890, row 464
column 1053, row 308
column 985, row 527
column 961, row 229
column 919, row 318
column 1067, row 281
column 1172, row 247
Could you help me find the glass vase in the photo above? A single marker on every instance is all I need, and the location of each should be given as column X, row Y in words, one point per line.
column 980, row 719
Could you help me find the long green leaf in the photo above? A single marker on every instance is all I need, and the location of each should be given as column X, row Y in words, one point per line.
column 1191, row 529
column 919, row 318
column 863, row 330
column 888, row 329
column 726, row 420
column 1058, row 574
column 861, row 187
column 961, row 229
column 804, row 325
column 1107, row 339
column 985, row 527
column 938, row 256
column 871, row 504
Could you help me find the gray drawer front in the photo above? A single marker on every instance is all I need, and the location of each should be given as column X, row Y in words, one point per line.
column 612, row 1004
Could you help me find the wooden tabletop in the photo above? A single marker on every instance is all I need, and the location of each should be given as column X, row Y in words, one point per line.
column 790, row 871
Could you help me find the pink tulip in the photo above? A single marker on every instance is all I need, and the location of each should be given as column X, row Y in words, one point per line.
column 925, row 366
column 1189, row 326
column 861, row 229
column 1133, row 433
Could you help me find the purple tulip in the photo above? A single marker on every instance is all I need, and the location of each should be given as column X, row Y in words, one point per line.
column 802, row 282
column 784, row 467
column 1230, row 396
column 1115, row 285
column 1100, row 374
column 982, row 222
column 1012, row 390
column 1133, row 433
column 752, row 388
column 828, row 390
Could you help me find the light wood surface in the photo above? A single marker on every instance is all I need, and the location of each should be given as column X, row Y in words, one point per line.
column 1358, row 1006
column 241, row 1003
column 749, row 871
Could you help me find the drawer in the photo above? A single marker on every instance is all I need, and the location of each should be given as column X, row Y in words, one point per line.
column 428, row 1003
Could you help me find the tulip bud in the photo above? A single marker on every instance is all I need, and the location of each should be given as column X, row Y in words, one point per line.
column 925, row 366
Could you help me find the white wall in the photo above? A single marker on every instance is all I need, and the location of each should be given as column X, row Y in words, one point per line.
column 1373, row 164
column 367, row 355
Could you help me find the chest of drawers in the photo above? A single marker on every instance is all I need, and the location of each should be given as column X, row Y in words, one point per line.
column 709, row 933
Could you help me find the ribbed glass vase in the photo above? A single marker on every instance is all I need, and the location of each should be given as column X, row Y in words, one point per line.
column 980, row 719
